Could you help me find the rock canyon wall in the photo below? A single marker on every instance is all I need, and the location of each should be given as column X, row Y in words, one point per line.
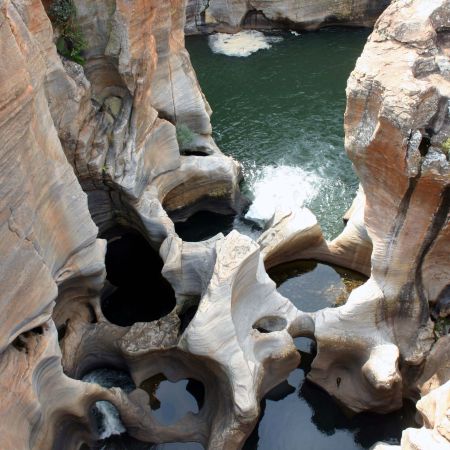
column 234, row 15
column 123, row 145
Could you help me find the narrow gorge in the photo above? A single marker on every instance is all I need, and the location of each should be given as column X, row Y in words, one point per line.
column 273, row 276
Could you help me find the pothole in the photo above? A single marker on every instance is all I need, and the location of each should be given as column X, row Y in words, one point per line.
column 169, row 401
column 312, row 285
column 269, row 324
column 139, row 292
column 204, row 225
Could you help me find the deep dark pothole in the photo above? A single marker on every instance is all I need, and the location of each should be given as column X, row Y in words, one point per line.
column 139, row 292
column 204, row 225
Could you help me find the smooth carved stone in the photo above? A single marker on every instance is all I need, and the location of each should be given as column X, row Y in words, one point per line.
column 238, row 344
column 396, row 123
column 241, row 298
column 118, row 137
column 233, row 15
column 435, row 434
column 121, row 112
column 297, row 235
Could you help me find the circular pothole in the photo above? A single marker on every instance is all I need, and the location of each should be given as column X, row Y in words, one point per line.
column 139, row 292
column 170, row 401
column 312, row 285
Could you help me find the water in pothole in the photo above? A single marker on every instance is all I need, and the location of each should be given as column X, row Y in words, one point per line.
column 311, row 285
column 298, row 414
column 299, row 411
column 169, row 403
column 280, row 111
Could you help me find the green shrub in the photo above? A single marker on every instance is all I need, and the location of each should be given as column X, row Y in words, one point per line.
column 441, row 327
column 71, row 42
column 185, row 136
column 446, row 147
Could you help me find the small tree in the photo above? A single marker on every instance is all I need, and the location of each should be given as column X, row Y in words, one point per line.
column 446, row 147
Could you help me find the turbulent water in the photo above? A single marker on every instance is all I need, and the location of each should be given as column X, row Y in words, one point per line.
column 241, row 44
column 107, row 416
column 279, row 112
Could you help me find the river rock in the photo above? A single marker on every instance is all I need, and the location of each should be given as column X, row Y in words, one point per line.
column 98, row 145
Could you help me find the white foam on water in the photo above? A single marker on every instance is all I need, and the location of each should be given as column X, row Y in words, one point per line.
column 295, row 33
column 241, row 44
column 110, row 419
column 111, row 423
column 280, row 187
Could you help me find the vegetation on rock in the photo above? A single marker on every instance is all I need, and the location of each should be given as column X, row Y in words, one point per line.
column 71, row 42
column 185, row 136
column 446, row 147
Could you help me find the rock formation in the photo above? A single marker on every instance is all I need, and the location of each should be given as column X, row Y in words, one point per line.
column 232, row 16
column 397, row 130
column 124, row 143
column 397, row 126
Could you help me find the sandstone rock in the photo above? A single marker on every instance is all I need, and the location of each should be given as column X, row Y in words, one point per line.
column 118, row 138
column 396, row 122
column 297, row 235
column 116, row 119
column 231, row 16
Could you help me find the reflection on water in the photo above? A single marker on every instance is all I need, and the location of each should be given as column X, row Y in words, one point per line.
column 312, row 286
column 172, row 401
column 169, row 403
column 298, row 411
column 299, row 415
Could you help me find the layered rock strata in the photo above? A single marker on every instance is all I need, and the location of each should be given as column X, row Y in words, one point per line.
column 109, row 129
column 235, row 15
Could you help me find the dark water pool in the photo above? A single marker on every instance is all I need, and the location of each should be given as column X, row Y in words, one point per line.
column 300, row 415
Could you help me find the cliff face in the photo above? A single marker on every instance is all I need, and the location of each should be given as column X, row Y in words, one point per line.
column 48, row 240
column 108, row 129
column 234, row 15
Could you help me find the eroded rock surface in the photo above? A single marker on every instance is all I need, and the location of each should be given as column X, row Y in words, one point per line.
column 397, row 124
column 234, row 15
column 109, row 130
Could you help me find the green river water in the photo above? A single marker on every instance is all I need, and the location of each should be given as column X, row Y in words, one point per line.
column 280, row 113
